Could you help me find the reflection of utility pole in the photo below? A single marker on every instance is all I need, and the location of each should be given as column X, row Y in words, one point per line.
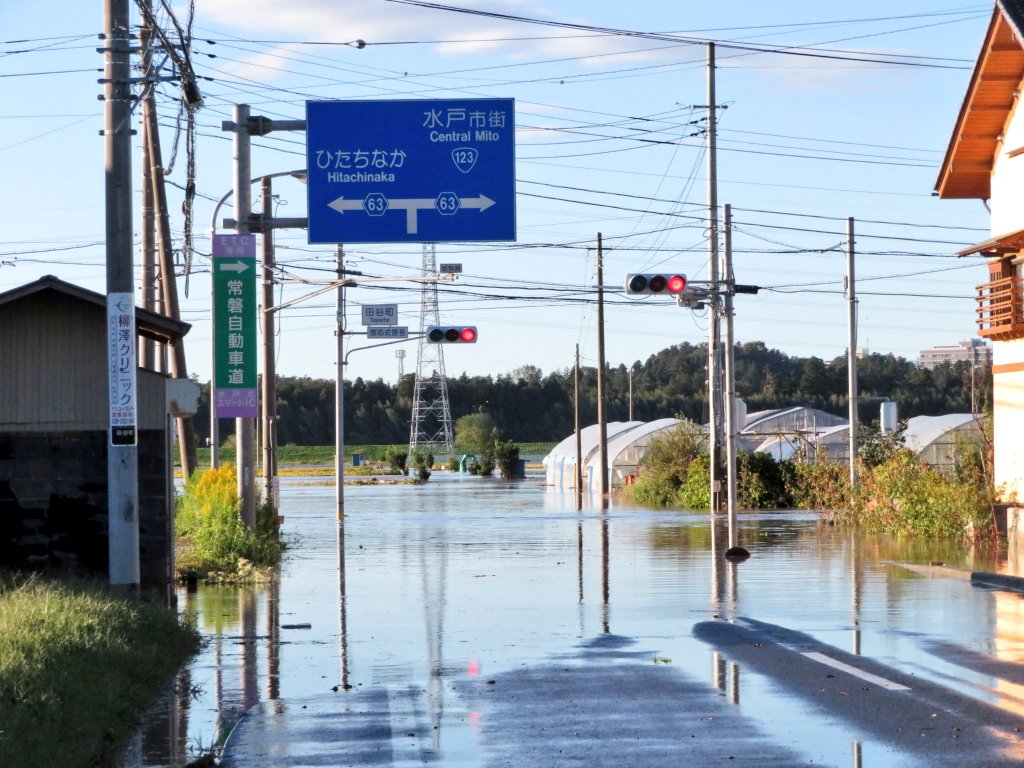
column 435, row 604
column 342, row 607
column 606, row 595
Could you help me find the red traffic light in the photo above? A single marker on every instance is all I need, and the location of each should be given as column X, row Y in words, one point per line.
column 449, row 334
column 645, row 284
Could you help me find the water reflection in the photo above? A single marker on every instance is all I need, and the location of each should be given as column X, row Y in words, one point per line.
column 465, row 578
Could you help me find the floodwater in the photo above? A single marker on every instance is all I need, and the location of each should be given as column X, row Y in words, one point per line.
column 467, row 577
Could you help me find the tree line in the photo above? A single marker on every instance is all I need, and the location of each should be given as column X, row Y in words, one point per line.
column 528, row 406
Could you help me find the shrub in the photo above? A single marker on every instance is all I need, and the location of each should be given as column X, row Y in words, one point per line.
column 905, row 497
column 422, row 463
column 208, row 516
column 666, row 468
column 483, row 466
column 506, row 455
column 824, row 486
column 396, row 459
column 762, row 482
column 695, row 492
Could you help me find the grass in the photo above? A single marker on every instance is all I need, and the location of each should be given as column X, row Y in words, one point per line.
column 77, row 666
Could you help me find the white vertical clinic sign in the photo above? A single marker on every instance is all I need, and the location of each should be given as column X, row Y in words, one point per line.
column 121, row 362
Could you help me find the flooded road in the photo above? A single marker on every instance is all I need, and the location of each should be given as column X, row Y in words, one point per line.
column 473, row 622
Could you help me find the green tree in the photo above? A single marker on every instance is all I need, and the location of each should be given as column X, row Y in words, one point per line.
column 474, row 432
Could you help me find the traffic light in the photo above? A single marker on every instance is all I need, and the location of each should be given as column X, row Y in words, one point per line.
column 655, row 284
column 452, row 334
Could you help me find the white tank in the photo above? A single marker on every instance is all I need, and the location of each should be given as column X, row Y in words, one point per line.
column 740, row 415
column 889, row 417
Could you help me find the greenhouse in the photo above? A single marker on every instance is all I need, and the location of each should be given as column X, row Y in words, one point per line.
column 560, row 463
column 938, row 440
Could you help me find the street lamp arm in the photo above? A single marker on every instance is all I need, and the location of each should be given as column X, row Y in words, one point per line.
column 297, row 174
column 372, row 346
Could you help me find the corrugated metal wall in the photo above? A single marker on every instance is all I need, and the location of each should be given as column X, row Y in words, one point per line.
column 53, row 368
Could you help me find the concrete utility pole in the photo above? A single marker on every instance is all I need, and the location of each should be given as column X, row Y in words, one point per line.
column 168, row 283
column 731, row 427
column 244, row 428
column 602, row 426
column 577, row 469
column 147, row 236
column 267, row 330
column 851, row 295
column 714, row 330
column 122, row 460
column 339, row 388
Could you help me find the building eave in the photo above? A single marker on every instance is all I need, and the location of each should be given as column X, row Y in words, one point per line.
column 966, row 170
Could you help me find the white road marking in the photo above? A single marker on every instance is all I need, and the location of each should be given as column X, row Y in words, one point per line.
column 889, row 685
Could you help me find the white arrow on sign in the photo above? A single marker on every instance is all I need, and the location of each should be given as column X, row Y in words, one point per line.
column 341, row 205
column 411, row 206
column 234, row 266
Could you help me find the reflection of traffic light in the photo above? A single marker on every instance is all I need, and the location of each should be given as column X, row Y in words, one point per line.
column 452, row 334
column 668, row 284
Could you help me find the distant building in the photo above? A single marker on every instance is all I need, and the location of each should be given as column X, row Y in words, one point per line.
column 966, row 351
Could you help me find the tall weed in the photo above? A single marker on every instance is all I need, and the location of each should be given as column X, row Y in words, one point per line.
column 208, row 515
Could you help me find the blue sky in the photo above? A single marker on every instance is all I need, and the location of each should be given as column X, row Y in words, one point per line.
column 830, row 111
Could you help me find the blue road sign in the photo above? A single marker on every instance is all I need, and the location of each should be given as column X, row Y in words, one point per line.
column 411, row 171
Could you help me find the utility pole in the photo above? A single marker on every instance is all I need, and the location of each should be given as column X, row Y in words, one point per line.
column 851, row 295
column 147, row 243
column 244, row 431
column 339, row 387
column 714, row 330
column 731, row 428
column 577, row 468
column 122, row 455
column 267, row 331
column 602, row 426
column 168, row 283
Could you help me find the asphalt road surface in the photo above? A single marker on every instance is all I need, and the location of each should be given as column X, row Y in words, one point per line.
column 611, row 703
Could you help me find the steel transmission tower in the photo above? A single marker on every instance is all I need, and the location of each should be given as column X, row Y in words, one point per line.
column 431, row 416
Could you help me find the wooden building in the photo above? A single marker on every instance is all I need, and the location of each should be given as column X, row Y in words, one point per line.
column 985, row 160
column 54, row 434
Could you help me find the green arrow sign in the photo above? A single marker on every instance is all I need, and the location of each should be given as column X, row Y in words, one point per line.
column 234, row 326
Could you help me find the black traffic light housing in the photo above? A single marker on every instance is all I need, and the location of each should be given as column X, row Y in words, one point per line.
column 656, row 284
column 452, row 334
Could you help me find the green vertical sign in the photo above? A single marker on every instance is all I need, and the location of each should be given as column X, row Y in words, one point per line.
column 235, row 346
